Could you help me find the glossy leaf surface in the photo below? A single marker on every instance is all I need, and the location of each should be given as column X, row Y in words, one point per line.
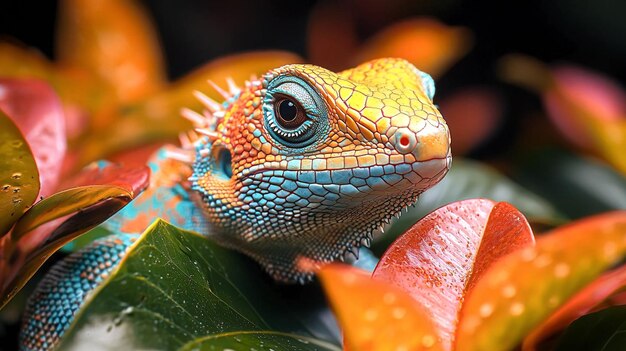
column 375, row 315
column 466, row 180
column 175, row 287
column 65, row 203
column 19, row 178
column 49, row 225
column 37, row 111
column 262, row 340
column 525, row 287
column 440, row 259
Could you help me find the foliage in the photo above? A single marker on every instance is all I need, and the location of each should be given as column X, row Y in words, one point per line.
column 465, row 270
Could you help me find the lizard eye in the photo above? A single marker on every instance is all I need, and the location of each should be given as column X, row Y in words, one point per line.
column 295, row 115
column 289, row 113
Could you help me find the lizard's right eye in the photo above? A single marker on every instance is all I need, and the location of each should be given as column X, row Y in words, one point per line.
column 295, row 114
column 289, row 113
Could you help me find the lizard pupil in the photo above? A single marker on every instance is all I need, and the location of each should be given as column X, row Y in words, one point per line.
column 289, row 113
column 288, row 110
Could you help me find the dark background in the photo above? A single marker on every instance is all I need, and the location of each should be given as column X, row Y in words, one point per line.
column 587, row 33
column 591, row 33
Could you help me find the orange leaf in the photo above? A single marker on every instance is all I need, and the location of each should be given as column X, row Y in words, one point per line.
column 428, row 44
column 584, row 302
column 158, row 119
column 115, row 41
column 526, row 286
column 442, row 257
column 375, row 315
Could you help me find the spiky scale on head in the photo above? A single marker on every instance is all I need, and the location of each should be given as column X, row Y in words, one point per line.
column 304, row 164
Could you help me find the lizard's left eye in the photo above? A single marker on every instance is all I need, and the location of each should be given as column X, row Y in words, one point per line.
column 295, row 115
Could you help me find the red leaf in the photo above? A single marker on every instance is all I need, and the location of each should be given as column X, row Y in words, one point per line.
column 441, row 257
column 134, row 179
column 37, row 111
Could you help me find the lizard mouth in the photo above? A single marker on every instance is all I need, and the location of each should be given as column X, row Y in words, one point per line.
column 381, row 175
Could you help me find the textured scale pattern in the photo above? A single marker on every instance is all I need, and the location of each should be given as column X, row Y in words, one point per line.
column 295, row 169
column 61, row 293
column 377, row 142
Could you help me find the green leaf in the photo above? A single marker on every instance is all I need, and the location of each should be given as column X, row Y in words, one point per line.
column 603, row 331
column 265, row 340
column 175, row 287
column 19, row 178
column 467, row 180
column 576, row 186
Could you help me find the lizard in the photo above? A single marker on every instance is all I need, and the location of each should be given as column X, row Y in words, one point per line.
column 300, row 165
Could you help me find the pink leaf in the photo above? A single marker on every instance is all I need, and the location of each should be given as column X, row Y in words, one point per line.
column 37, row 111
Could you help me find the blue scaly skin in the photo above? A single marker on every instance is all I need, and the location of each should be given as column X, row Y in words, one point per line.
column 297, row 168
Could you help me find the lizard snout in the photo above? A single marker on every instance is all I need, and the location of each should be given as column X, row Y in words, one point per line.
column 431, row 142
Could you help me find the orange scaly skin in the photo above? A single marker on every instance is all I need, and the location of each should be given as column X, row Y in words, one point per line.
column 297, row 168
column 371, row 142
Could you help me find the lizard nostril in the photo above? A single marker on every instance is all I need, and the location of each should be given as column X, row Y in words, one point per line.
column 405, row 141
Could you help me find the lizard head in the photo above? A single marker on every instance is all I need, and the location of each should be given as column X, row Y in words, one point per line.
column 305, row 164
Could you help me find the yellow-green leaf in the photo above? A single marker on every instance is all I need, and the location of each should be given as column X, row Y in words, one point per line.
column 19, row 178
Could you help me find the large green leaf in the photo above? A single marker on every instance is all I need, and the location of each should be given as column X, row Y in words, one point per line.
column 176, row 287
column 267, row 340
column 466, row 180
column 578, row 187
column 602, row 331
column 19, row 178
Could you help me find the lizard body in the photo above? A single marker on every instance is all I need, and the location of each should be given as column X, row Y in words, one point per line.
column 302, row 165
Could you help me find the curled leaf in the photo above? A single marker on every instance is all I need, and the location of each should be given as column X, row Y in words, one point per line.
column 526, row 286
column 56, row 220
column 19, row 178
column 375, row 315
column 440, row 259
column 64, row 203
